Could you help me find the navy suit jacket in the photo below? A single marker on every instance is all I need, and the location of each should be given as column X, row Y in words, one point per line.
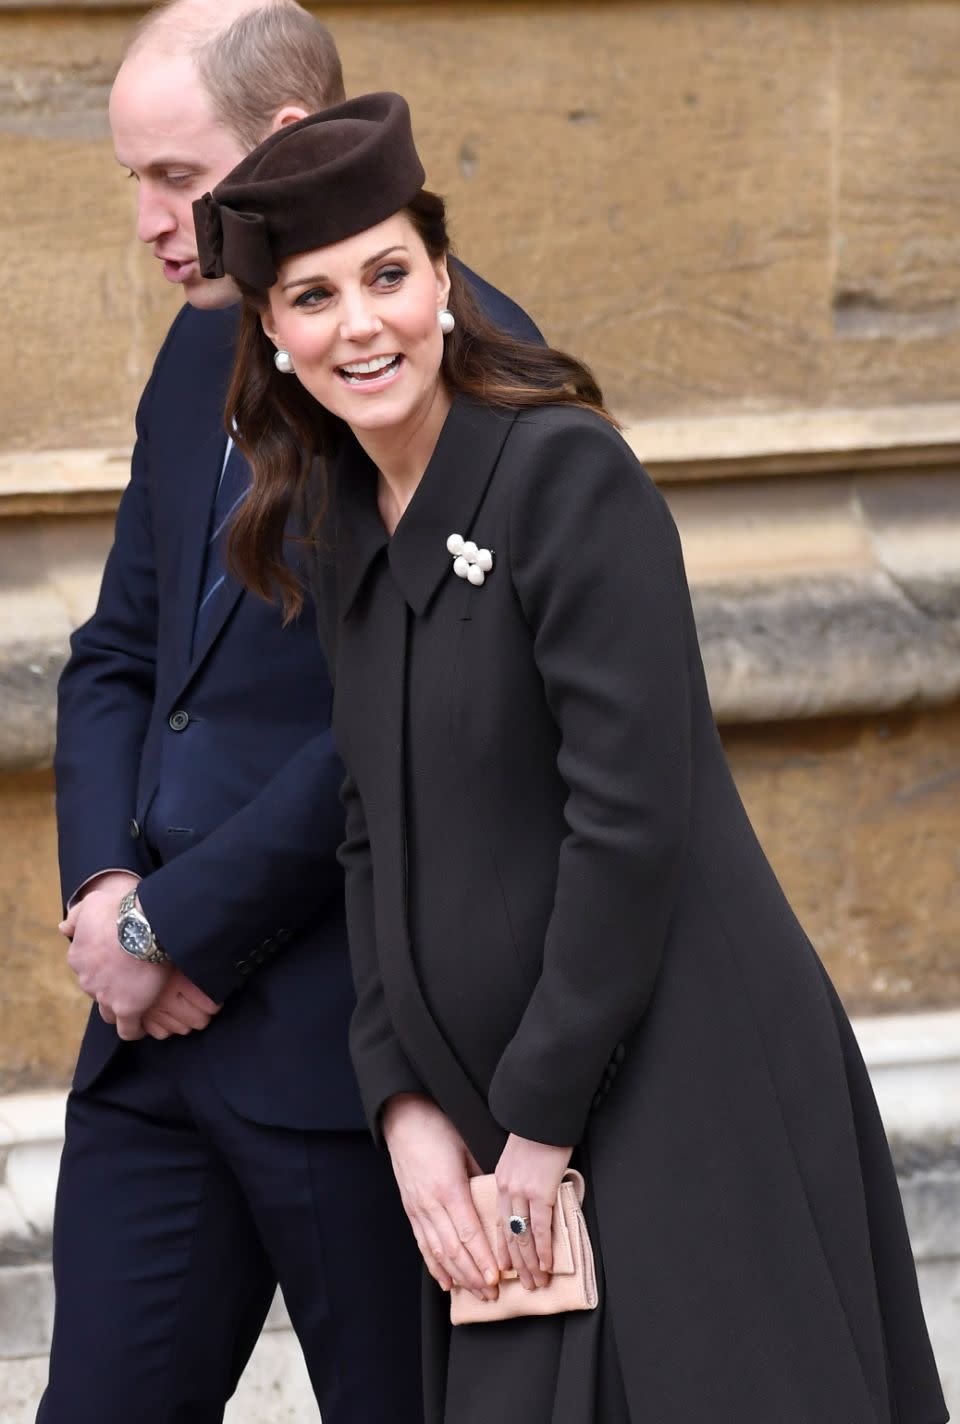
column 225, row 751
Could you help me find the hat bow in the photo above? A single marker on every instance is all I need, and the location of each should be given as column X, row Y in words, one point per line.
column 235, row 242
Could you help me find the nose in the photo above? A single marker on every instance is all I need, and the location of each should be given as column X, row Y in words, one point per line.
column 358, row 320
column 154, row 217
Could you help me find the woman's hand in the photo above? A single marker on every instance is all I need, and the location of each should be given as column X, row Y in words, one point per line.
column 528, row 1177
column 432, row 1165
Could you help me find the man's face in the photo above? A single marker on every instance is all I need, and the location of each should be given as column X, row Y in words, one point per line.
column 166, row 135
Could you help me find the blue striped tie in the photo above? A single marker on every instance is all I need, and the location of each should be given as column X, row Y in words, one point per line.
column 231, row 492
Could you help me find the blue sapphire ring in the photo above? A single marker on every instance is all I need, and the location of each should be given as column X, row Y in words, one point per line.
column 519, row 1225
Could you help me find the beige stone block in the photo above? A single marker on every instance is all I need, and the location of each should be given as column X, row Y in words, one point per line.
column 42, row 1012
column 896, row 307
column 719, row 206
column 861, row 821
column 88, row 308
column 648, row 178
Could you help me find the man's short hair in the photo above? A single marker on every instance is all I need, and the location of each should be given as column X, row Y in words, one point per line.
column 269, row 56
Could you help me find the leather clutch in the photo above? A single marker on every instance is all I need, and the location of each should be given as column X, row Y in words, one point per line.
column 573, row 1282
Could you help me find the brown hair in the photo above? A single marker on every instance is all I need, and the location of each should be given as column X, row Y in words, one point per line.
column 270, row 55
column 282, row 429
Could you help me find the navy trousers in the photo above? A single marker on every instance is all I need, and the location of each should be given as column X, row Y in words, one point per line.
column 176, row 1219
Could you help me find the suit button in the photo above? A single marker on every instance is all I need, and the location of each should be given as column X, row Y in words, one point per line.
column 179, row 721
column 282, row 936
column 134, row 829
column 619, row 1053
column 243, row 967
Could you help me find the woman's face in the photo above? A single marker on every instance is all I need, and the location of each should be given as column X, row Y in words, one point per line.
column 359, row 319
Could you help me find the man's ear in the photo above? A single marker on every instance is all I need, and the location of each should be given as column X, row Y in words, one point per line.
column 289, row 114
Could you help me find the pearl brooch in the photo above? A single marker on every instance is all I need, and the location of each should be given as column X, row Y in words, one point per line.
column 469, row 560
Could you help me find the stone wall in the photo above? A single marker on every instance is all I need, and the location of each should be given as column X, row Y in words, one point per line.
column 717, row 204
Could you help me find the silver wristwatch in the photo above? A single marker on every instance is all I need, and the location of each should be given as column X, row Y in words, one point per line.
column 135, row 934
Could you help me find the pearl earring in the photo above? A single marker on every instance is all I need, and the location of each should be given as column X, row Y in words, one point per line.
column 284, row 362
column 447, row 321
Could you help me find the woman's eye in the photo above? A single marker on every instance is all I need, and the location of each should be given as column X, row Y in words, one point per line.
column 178, row 180
column 390, row 276
column 313, row 298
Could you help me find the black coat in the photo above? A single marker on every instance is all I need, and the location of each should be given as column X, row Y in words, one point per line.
column 562, row 925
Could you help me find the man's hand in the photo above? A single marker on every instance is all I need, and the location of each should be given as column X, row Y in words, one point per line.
column 122, row 986
column 180, row 1008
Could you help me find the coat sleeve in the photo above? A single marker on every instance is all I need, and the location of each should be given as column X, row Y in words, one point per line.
column 595, row 560
column 381, row 1066
column 240, row 893
column 263, row 873
column 105, row 694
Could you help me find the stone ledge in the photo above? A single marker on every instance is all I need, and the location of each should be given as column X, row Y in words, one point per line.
column 791, row 442
column 797, row 442
column 914, row 1063
column 66, row 482
column 814, row 597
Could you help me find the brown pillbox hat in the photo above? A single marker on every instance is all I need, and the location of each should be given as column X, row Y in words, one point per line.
column 310, row 184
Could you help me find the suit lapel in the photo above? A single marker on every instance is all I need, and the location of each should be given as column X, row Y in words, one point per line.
column 223, row 601
column 202, row 463
column 203, row 460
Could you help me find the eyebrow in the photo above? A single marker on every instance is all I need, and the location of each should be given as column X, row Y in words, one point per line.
column 377, row 257
column 158, row 165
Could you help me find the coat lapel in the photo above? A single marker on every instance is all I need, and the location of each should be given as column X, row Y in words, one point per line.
column 445, row 503
column 448, row 497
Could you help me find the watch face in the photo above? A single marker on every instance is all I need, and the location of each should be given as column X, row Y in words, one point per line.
column 135, row 936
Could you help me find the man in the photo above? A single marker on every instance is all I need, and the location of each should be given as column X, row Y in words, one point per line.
column 211, row 1151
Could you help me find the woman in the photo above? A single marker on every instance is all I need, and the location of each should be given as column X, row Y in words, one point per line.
column 566, row 938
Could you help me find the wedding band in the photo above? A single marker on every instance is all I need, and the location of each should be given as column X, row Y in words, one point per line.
column 519, row 1225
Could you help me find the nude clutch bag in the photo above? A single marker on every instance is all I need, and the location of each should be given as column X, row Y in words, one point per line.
column 573, row 1284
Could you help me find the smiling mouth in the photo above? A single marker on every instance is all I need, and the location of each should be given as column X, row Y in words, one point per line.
column 365, row 373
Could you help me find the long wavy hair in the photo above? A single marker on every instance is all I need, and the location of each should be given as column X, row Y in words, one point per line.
column 286, row 435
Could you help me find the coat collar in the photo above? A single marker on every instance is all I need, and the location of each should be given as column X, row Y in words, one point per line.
column 445, row 502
